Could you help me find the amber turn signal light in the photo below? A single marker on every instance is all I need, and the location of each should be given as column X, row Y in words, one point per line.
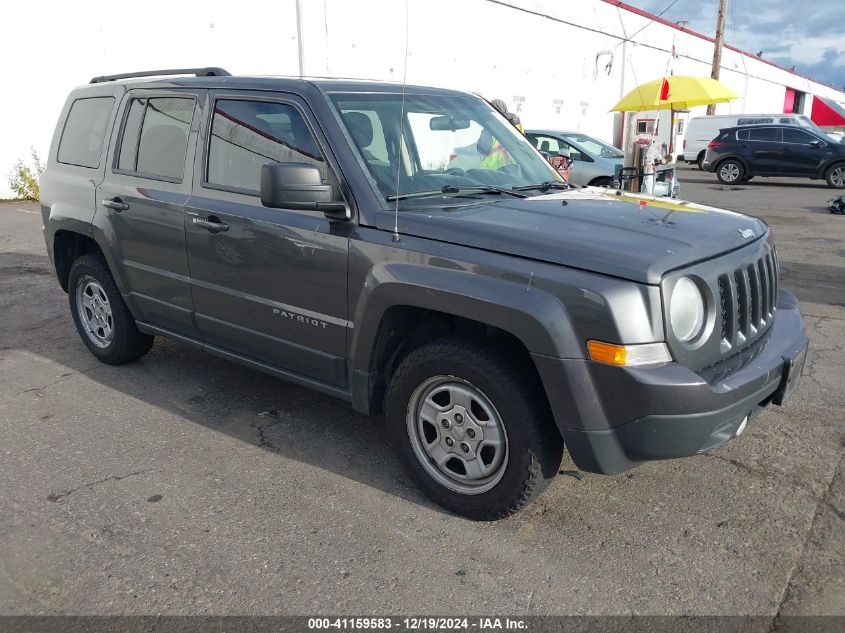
column 628, row 355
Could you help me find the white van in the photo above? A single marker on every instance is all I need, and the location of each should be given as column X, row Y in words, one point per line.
column 703, row 129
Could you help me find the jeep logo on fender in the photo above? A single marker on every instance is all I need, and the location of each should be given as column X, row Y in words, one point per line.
column 300, row 318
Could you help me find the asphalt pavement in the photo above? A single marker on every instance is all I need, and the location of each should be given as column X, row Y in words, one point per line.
column 185, row 484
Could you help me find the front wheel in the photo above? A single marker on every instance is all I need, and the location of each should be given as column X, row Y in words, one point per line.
column 473, row 432
column 730, row 172
column 836, row 176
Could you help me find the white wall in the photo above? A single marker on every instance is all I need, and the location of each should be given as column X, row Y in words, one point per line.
column 545, row 69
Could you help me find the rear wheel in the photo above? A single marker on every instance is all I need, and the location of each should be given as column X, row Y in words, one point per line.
column 730, row 172
column 473, row 432
column 100, row 314
column 700, row 160
column 602, row 182
column 836, row 176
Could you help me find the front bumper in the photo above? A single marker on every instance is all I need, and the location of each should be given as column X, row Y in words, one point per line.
column 611, row 418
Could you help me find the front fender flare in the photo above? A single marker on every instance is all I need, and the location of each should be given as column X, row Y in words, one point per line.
column 535, row 317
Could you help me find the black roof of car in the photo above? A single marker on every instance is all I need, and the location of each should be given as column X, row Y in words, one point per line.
column 762, row 125
column 218, row 78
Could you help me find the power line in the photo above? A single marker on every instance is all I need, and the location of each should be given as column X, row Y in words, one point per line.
column 651, row 20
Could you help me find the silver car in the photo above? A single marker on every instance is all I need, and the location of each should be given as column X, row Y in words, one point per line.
column 593, row 161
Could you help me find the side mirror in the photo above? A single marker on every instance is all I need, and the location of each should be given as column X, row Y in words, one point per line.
column 299, row 186
column 815, row 143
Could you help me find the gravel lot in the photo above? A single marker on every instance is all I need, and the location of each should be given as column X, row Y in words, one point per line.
column 185, row 484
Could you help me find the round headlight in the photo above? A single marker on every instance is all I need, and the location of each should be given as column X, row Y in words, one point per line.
column 686, row 310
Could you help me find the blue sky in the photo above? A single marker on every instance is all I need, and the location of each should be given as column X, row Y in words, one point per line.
column 807, row 35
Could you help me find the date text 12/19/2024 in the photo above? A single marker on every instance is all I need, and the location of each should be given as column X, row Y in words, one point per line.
column 417, row 623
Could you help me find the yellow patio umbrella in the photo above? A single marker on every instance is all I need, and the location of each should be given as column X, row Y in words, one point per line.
column 677, row 92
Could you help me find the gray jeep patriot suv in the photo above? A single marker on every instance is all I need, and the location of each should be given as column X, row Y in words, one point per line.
column 314, row 229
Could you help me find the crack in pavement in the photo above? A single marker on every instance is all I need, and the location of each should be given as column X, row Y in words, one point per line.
column 262, row 440
column 821, row 503
column 794, row 482
column 55, row 498
column 59, row 379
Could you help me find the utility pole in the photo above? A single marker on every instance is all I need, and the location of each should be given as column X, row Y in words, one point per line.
column 299, row 42
column 717, row 47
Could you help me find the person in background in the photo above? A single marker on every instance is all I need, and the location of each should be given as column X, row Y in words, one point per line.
column 502, row 107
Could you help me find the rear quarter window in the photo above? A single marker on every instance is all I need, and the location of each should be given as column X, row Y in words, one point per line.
column 84, row 132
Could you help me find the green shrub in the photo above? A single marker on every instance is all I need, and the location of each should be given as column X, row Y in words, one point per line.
column 24, row 178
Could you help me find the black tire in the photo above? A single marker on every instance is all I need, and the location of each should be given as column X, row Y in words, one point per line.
column 700, row 161
column 835, row 176
column 126, row 343
column 730, row 172
column 602, row 182
column 534, row 445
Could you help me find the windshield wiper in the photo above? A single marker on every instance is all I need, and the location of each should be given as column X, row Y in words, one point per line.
column 543, row 186
column 452, row 190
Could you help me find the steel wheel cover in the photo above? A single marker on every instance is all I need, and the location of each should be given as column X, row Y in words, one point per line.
column 94, row 311
column 457, row 435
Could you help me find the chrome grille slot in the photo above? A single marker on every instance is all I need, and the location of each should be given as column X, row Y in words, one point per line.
column 770, row 269
column 742, row 302
column 764, row 287
column 756, row 311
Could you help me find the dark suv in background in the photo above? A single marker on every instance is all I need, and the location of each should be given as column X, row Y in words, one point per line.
column 738, row 154
column 315, row 230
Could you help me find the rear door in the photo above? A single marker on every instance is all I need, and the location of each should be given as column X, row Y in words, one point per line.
column 268, row 284
column 765, row 147
column 141, row 202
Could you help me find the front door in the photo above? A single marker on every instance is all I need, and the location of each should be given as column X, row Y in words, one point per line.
column 802, row 153
column 269, row 284
column 140, row 204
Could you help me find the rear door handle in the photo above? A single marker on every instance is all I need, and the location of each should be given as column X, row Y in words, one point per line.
column 114, row 203
column 211, row 224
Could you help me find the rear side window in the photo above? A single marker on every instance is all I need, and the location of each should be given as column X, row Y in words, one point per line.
column 85, row 130
column 247, row 134
column 545, row 143
column 742, row 135
column 155, row 137
column 771, row 134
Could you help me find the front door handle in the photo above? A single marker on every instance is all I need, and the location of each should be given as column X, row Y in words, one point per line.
column 211, row 224
column 114, row 203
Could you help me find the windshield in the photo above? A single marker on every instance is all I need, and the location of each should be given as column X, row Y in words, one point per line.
column 448, row 142
column 594, row 146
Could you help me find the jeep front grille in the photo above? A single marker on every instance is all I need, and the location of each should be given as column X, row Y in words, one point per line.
column 747, row 297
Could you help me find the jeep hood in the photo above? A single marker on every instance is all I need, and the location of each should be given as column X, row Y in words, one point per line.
column 633, row 237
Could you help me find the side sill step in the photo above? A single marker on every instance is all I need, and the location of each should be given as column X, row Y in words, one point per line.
column 299, row 379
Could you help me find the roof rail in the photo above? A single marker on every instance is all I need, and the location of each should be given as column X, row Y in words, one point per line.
column 209, row 71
